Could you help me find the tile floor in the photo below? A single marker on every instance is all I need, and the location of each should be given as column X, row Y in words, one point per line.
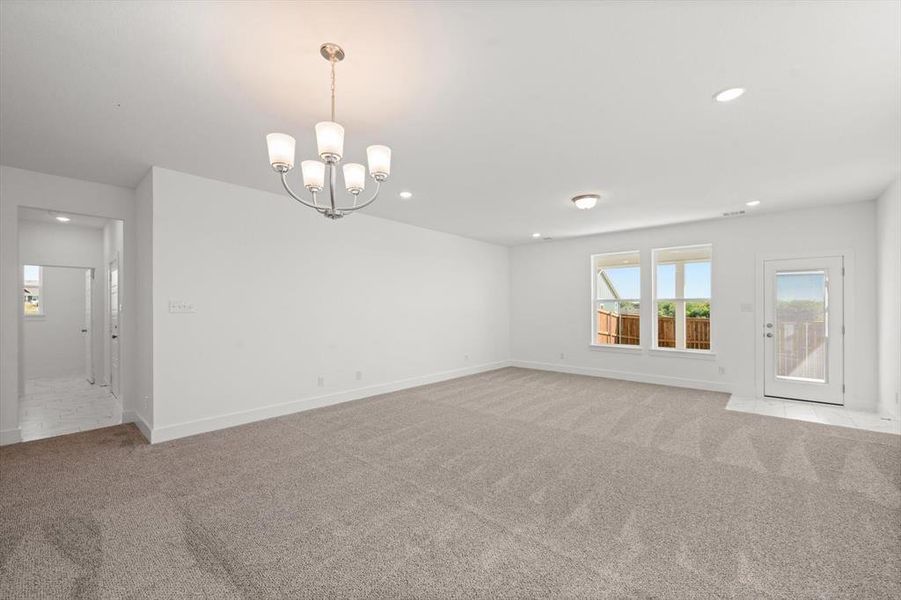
column 57, row 406
column 814, row 413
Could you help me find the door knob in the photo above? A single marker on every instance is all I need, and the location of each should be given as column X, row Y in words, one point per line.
column 769, row 334
column 115, row 337
column 769, row 325
column 84, row 330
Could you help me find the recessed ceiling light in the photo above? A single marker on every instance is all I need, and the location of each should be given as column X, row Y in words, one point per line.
column 406, row 195
column 752, row 203
column 536, row 235
column 728, row 95
column 63, row 219
column 586, row 201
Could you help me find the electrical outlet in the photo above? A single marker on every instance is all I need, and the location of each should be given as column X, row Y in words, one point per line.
column 562, row 355
column 465, row 357
column 722, row 370
column 359, row 375
column 320, row 381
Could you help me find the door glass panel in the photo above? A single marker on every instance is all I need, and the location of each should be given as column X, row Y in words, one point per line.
column 800, row 325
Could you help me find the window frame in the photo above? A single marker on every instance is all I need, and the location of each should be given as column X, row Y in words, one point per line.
column 42, row 311
column 597, row 302
column 655, row 340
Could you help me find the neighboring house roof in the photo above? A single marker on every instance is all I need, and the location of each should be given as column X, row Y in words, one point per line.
column 613, row 291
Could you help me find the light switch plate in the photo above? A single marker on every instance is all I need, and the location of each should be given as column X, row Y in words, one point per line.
column 179, row 306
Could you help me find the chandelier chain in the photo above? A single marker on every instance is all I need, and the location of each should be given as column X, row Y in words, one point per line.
column 332, row 62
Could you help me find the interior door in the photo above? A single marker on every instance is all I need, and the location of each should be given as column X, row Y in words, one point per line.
column 114, row 326
column 87, row 329
column 804, row 329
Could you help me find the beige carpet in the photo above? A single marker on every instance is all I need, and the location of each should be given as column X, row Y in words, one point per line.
column 510, row 484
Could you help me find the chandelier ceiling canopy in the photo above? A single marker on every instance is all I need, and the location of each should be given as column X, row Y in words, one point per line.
column 330, row 145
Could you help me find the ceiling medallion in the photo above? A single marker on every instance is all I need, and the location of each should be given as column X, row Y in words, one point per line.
column 330, row 145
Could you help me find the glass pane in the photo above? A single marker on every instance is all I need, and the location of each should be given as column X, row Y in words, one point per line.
column 31, row 290
column 697, row 280
column 666, row 281
column 697, row 325
column 800, row 325
column 666, row 325
column 619, row 282
column 618, row 323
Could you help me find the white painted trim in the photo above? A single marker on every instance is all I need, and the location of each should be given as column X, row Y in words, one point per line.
column 130, row 416
column 10, row 436
column 697, row 384
column 188, row 428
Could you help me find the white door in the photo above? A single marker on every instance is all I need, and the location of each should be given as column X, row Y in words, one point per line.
column 87, row 330
column 804, row 329
column 114, row 326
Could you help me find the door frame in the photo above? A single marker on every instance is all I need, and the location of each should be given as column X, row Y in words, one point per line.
column 849, row 319
column 109, row 333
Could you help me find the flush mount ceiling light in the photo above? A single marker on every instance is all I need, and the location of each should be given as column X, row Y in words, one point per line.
column 63, row 219
column 586, row 201
column 406, row 195
column 330, row 145
column 536, row 235
column 752, row 203
column 728, row 95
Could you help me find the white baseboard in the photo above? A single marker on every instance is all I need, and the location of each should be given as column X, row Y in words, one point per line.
column 696, row 384
column 130, row 416
column 180, row 430
column 10, row 436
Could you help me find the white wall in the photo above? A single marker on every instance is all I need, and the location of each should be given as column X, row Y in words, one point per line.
column 888, row 242
column 284, row 296
column 143, row 305
column 53, row 344
column 551, row 314
column 19, row 187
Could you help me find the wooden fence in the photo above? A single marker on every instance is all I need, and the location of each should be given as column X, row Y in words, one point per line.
column 618, row 329
column 801, row 349
column 624, row 329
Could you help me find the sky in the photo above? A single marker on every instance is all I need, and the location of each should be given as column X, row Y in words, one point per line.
column 627, row 280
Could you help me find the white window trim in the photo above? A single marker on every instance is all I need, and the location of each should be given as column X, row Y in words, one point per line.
column 595, row 301
column 663, row 351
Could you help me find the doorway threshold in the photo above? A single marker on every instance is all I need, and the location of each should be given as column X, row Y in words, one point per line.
column 814, row 413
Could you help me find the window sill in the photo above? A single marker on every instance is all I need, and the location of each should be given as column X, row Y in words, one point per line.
column 34, row 317
column 617, row 348
column 701, row 354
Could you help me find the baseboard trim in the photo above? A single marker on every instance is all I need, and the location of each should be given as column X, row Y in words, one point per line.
column 130, row 416
column 10, row 436
column 188, row 428
column 696, row 384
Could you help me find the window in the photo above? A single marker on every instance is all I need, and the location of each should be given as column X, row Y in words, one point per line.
column 682, row 297
column 32, row 275
column 616, row 298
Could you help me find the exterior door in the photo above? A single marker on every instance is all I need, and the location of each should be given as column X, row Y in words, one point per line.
column 87, row 330
column 804, row 329
column 114, row 326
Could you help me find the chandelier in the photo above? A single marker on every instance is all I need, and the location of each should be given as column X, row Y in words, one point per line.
column 330, row 144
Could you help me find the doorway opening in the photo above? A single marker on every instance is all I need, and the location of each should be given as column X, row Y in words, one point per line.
column 70, row 323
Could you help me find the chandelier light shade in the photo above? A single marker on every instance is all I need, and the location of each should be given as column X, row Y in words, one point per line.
column 281, row 149
column 354, row 177
column 330, row 140
column 330, row 147
column 313, row 175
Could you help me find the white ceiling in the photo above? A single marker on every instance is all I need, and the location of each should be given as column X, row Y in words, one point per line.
column 49, row 217
column 496, row 112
